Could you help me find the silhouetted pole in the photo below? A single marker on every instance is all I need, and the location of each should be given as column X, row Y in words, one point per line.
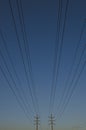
column 52, row 121
column 37, row 122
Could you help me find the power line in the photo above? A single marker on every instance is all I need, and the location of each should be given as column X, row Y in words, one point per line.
column 74, row 59
column 19, row 44
column 60, row 55
column 26, row 45
column 73, row 89
column 56, row 51
column 10, row 59
column 11, row 76
column 61, row 46
column 84, row 48
column 10, row 86
column 74, row 75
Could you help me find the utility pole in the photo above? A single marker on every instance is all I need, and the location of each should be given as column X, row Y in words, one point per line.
column 52, row 121
column 37, row 122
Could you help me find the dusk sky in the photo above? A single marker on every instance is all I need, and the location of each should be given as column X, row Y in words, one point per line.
column 40, row 26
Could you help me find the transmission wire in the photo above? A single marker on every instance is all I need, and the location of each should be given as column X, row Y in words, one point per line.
column 13, row 83
column 56, row 51
column 74, row 59
column 22, row 23
column 17, row 77
column 73, row 89
column 60, row 54
column 15, row 27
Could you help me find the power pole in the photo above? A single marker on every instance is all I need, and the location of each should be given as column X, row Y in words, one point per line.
column 52, row 121
column 37, row 122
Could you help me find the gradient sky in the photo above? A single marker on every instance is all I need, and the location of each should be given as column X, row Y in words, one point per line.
column 41, row 24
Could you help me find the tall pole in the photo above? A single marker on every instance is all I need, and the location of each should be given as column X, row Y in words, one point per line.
column 52, row 121
column 37, row 122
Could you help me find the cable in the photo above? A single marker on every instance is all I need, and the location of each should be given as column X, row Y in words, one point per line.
column 84, row 48
column 74, row 75
column 14, row 92
column 72, row 91
column 61, row 46
column 29, row 57
column 71, row 83
column 11, row 76
column 30, row 91
column 25, row 39
column 56, row 51
column 74, row 59
column 10, row 59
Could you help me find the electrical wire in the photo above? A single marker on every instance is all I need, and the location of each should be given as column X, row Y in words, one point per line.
column 73, row 63
column 73, row 89
column 10, row 59
column 56, row 54
column 26, row 45
column 10, row 86
column 11, row 77
column 61, row 47
column 19, row 44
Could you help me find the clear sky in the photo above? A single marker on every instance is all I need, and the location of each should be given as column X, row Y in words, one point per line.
column 40, row 18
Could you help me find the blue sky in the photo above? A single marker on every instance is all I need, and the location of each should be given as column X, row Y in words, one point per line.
column 40, row 19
